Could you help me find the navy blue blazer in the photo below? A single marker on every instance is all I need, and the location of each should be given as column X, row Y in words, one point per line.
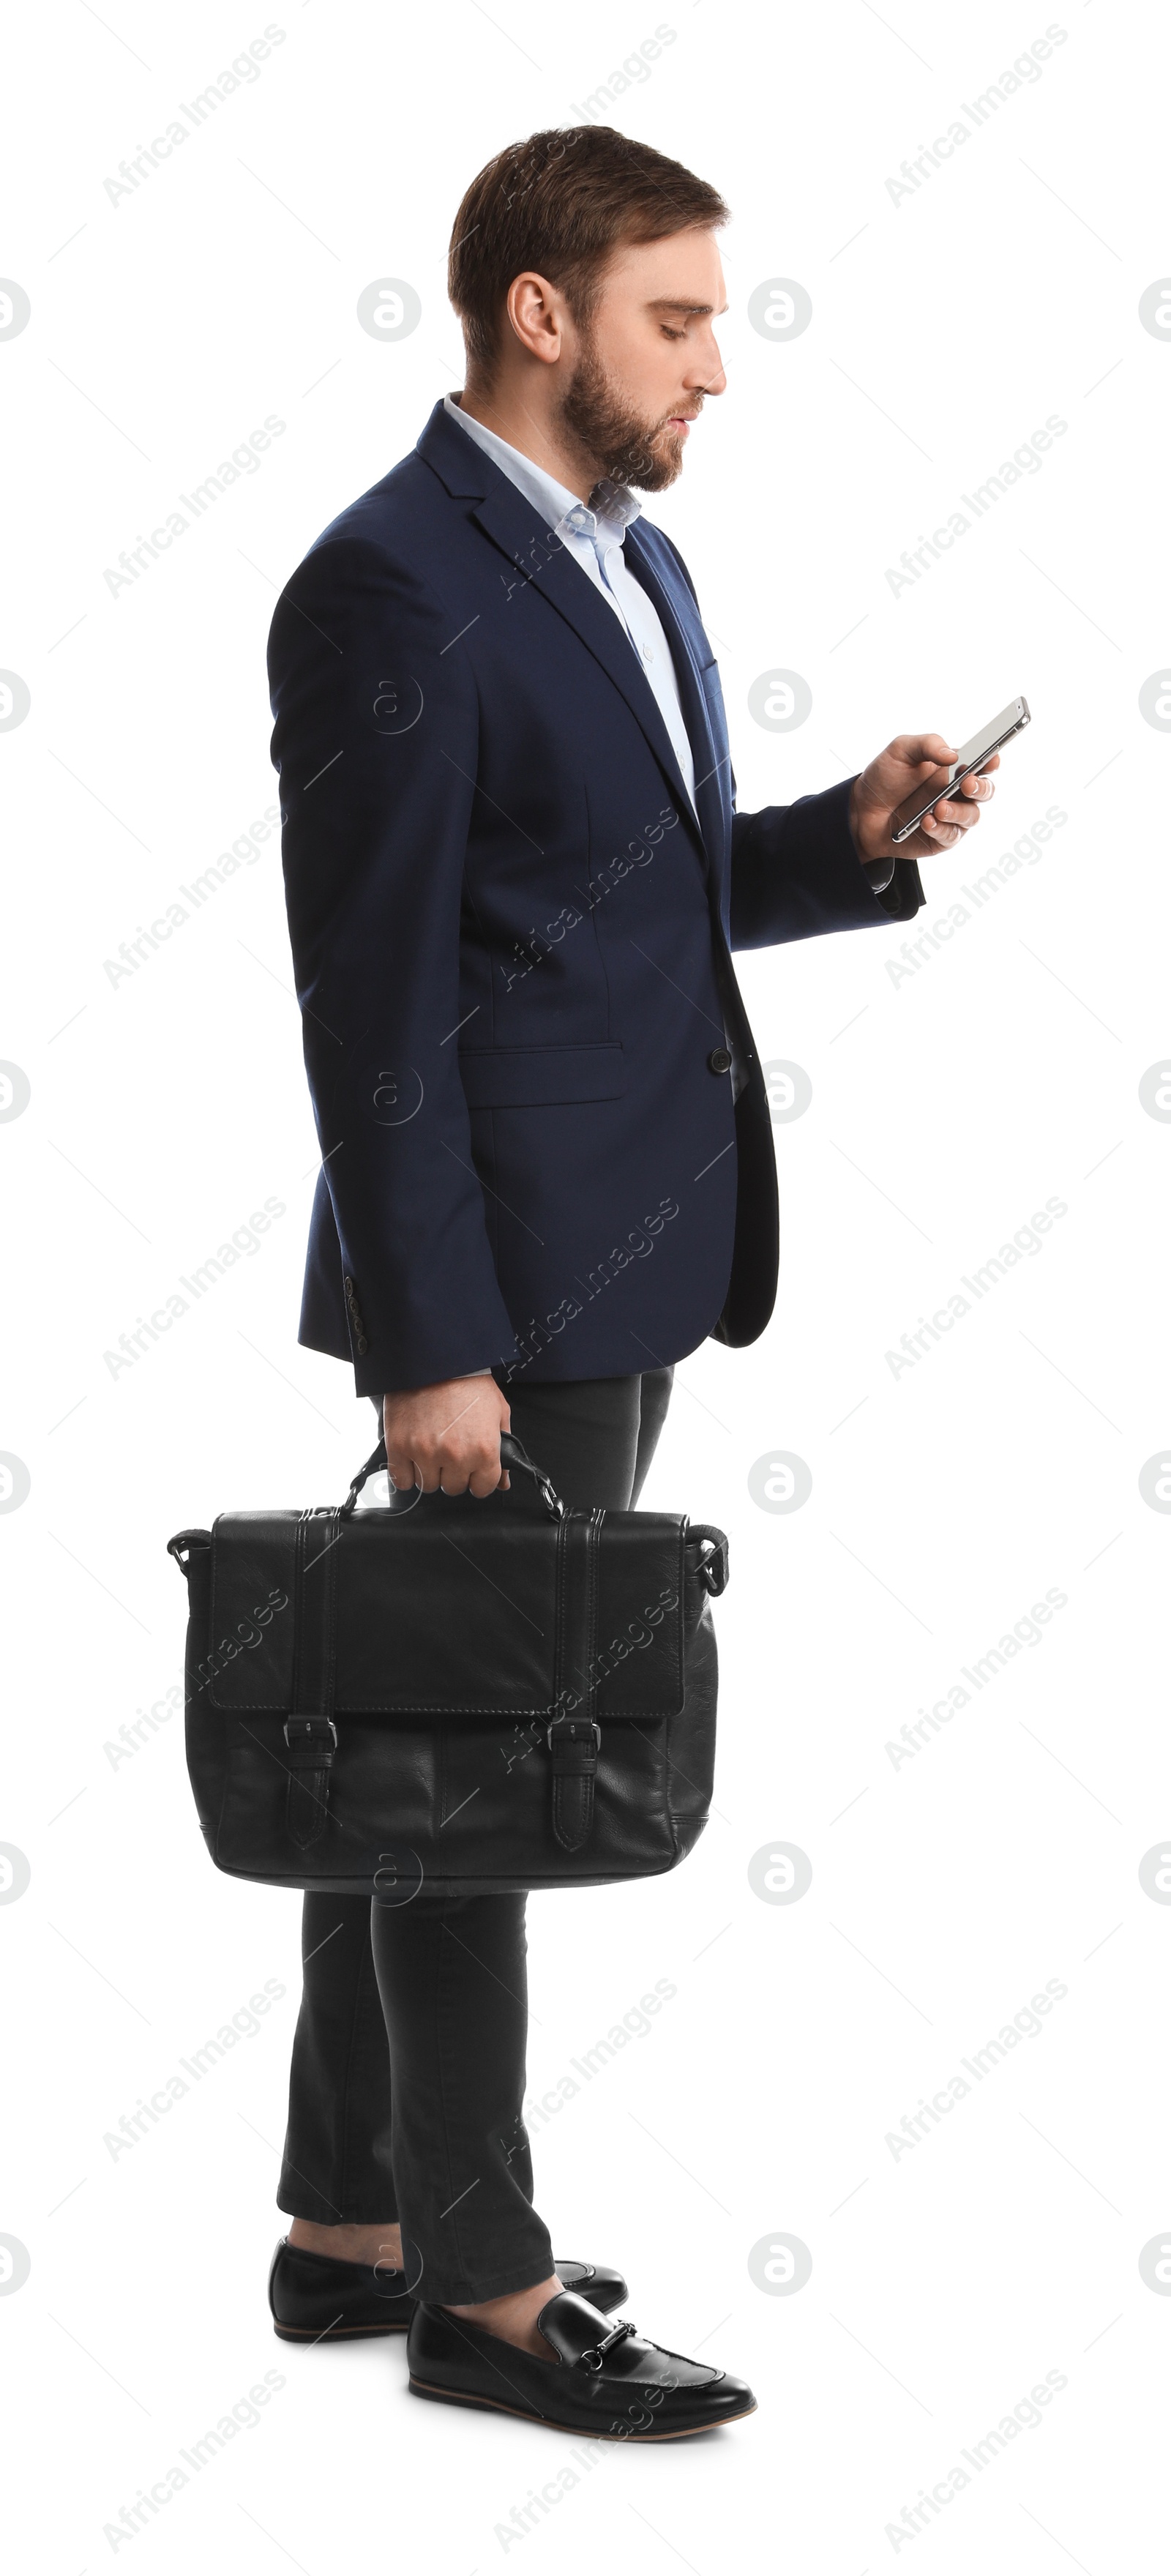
column 511, row 933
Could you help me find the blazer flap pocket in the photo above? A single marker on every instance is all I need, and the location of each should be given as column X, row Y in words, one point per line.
column 521, row 1077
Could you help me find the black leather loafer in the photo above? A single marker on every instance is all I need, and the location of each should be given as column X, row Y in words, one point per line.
column 315, row 2299
column 599, row 2379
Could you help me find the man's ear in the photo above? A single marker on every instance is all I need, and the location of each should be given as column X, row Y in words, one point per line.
column 536, row 316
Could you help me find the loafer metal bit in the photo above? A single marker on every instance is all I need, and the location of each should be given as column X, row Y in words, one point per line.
column 603, row 2380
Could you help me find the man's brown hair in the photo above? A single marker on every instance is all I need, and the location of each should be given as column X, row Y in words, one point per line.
column 561, row 203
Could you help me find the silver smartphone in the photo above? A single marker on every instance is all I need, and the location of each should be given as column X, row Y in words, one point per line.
column 1012, row 719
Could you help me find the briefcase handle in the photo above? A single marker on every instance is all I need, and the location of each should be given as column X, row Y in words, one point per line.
column 513, row 1454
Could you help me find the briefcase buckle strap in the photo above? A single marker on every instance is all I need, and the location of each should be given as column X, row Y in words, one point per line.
column 574, row 1743
column 569, row 1741
column 307, row 1738
column 310, row 1733
column 574, row 1734
column 312, row 1743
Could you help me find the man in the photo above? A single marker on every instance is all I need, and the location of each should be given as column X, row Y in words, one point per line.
column 515, row 874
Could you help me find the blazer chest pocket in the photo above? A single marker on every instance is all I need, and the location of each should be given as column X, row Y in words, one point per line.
column 533, row 1077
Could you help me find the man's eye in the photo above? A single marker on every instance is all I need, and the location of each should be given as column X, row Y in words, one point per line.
column 672, row 335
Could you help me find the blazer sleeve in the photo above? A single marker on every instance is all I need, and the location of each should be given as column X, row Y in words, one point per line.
column 796, row 873
column 375, row 739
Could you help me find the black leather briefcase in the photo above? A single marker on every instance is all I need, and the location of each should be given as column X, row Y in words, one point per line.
column 450, row 1693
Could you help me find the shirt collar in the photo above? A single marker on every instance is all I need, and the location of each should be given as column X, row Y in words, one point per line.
column 611, row 508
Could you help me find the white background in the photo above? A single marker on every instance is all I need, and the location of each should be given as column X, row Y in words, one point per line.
column 947, row 1107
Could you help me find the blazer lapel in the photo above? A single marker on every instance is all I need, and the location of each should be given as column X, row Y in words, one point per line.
column 535, row 554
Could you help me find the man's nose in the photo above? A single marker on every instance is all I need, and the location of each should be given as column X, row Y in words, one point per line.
column 707, row 375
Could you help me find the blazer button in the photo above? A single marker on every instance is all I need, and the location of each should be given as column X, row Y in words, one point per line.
column 363, row 1346
column 719, row 1061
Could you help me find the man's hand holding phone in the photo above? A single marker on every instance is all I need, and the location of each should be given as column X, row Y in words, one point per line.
column 900, row 777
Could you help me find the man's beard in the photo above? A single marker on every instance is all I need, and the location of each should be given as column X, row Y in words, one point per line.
column 626, row 448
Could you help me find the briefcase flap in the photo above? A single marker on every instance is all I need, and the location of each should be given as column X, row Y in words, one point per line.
column 448, row 1608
